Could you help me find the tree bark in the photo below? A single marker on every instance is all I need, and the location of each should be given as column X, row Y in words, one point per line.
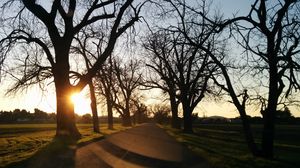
column 174, row 108
column 187, row 118
column 94, row 108
column 126, row 120
column 241, row 109
column 269, row 115
column 126, row 116
column 139, row 117
column 188, row 126
column 268, row 134
column 66, row 126
column 248, row 133
column 109, row 113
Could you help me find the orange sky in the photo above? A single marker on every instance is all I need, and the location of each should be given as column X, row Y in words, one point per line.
column 34, row 99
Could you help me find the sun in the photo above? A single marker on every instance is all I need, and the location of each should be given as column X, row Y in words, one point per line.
column 81, row 103
column 76, row 97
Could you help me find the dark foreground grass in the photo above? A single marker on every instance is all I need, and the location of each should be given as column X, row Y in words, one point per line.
column 21, row 141
column 224, row 146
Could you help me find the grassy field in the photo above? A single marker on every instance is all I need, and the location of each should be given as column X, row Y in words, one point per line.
column 21, row 141
column 224, row 146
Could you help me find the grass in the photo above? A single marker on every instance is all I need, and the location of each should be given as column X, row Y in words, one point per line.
column 224, row 146
column 21, row 141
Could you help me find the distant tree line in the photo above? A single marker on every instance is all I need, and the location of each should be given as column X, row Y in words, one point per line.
column 38, row 116
column 283, row 116
column 137, row 118
column 18, row 115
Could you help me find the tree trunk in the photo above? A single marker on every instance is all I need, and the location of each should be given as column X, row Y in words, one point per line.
column 94, row 108
column 126, row 116
column 66, row 126
column 126, row 120
column 109, row 113
column 139, row 117
column 268, row 134
column 187, row 118
column 269, row 115
column 241, row 109
column 134, row 119
column 174, row 108
column 248, row 133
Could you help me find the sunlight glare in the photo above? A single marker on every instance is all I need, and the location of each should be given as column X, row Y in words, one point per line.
column 81, row 103
column 75, row 98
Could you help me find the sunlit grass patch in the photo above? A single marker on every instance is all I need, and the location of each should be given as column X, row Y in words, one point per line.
column 21, row 141
column 20, row 146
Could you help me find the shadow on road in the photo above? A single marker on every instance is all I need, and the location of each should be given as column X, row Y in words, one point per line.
column 143, row 146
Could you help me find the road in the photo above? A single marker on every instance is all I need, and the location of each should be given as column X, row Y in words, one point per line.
column 143, row 146
column 146, row 145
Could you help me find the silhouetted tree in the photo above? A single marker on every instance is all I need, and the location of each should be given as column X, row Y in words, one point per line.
column 23, row 115
column 82, row 47
column 18, row 115
column 187, row 66
column 270, row 36
column 162, row 75
column 105, row 85
column 161, row 113
column 276, row 25
column 140, row 111
column 284, row 114
column 52, row 117
column 6, row 117
column 53, row 32
column 86, row 118
column 40, row 115
column 128, row 80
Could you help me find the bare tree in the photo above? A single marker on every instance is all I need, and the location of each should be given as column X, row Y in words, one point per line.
column 275, row 53
column 105, row 86
column 82, row 47
column 94, row 107
column 128, row 80
column 190, row 66
column 160, row 113
column 53, row 30
column 213, row 26
column 161, row 76
column 140, row 111
column 270, row 36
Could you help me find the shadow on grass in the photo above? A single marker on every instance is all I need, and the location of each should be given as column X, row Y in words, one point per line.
column 227, row 153
column 60, row 153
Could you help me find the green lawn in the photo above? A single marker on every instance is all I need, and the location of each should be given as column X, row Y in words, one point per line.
column 224, row 145
column 21, row 141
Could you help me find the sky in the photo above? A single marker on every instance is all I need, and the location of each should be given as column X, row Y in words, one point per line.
column 45, row 101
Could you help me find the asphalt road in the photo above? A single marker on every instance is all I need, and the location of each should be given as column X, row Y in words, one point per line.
column 143, row 146
column 146, row 145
